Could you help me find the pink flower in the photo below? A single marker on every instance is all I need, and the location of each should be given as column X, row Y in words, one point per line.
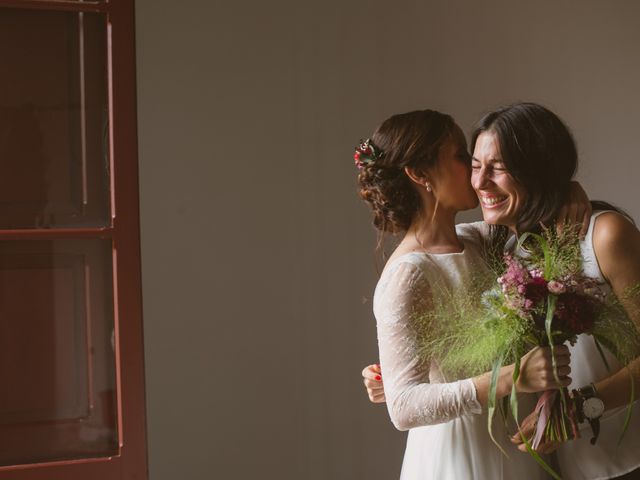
column 556, row 287
column 536, row 273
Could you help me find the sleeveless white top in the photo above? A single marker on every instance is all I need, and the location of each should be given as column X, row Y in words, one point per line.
column 579, row 460
column 448, row 436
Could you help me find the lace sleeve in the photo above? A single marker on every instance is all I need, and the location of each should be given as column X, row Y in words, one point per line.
column 412, row 401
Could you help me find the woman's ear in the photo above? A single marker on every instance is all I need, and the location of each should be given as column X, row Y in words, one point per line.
column 416, row 176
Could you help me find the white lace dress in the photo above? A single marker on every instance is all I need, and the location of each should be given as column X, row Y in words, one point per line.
column 448, row 436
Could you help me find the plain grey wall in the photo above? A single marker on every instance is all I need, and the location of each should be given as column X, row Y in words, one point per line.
column 257, row 254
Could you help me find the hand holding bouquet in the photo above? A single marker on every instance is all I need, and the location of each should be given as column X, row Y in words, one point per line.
column 540, row 298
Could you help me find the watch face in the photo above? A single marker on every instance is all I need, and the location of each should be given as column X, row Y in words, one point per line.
column 592, row 407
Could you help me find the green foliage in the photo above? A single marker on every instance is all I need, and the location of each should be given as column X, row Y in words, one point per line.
column 465, row 335
column 558, row 252
column 614, row 327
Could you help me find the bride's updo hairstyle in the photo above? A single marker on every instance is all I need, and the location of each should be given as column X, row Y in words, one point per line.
column 539, row 152
column 410, row 139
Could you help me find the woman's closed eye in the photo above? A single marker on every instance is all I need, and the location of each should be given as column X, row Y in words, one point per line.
column 492, row 168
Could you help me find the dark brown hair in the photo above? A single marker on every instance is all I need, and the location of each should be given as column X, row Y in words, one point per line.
column 410, row 139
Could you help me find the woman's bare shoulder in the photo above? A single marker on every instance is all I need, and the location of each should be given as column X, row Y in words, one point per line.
column 616, row 243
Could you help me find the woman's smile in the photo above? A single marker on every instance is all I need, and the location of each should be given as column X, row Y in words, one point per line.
column 489, row 200
column 501, row 196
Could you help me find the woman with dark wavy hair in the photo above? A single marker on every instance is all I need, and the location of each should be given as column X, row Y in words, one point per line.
column 415, row 175
column 524, row 158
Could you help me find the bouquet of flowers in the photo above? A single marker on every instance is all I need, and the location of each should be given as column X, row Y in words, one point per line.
column 540, row 298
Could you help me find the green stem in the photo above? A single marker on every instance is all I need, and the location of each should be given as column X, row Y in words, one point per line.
column 632, row 398
column 491, row 400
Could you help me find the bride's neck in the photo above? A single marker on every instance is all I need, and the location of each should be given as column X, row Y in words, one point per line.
column 434, row 233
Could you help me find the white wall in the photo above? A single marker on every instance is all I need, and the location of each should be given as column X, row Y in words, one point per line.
column 257, row 254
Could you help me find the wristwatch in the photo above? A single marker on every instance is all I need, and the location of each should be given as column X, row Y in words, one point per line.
column 589, row 407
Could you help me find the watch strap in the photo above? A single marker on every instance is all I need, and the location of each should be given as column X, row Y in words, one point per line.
column 580, row 395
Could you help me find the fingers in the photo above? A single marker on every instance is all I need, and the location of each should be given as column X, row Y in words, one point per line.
column 543, row 448
column 569, row 214
column 586, row 220
column 378, row 398
column 563, row 367
column 559, row 350
column 539, row 370
column 372, row 372
column 561, row 353
column 561, row 362
column 372, row 379
column 559, row 382
column 577, row 210
column 572, row 215
column 372, row 384
column 517, row 438
column 376, row 394
column 561, row 218
column 547, row 447
column 565, row 381
column 527, row 428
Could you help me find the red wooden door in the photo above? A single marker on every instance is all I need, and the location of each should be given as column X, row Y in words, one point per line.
column 71, row 358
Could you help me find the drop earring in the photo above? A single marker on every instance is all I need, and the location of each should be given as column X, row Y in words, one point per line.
column 428, row 186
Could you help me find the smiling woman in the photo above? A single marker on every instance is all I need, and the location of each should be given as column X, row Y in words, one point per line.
column 505, row 142
column 540, row 157
column 500, row 195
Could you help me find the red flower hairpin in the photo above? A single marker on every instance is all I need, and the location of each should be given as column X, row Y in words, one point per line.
column 367, row 153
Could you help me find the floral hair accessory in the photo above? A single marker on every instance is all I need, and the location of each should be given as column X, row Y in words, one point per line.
column 367, row 153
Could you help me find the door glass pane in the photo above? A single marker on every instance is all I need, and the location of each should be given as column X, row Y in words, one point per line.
column 57, row 359
column 54, row 168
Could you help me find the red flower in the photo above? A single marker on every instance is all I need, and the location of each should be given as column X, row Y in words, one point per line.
column 536, row 290
column 574, row 313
